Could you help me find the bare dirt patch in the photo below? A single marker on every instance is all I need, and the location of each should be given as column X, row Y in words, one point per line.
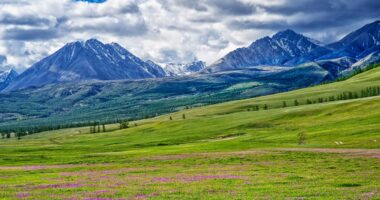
column 206, row 155
column 371, row 153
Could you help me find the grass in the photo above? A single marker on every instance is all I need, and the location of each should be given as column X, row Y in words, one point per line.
column 222, row 151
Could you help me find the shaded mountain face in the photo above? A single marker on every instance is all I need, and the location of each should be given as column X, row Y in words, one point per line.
column 7, row 77
column 90, row 60
column 290, row 49
column 155, row 69
column 357, row 44
column 177, row 69
column 286, row 48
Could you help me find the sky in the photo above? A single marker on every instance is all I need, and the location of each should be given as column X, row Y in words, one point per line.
column 165, row 31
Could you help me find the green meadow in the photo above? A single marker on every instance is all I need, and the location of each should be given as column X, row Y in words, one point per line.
column 321, row 142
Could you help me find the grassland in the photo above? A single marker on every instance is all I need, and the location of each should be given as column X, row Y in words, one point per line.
column 324, row 150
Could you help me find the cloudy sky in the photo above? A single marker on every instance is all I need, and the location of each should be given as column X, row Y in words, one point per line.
column 169, row 30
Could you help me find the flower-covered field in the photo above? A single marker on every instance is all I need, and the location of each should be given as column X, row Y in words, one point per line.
column 261, row 174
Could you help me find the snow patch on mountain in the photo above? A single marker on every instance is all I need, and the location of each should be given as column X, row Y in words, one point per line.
column 179, row 69
column 6, row 77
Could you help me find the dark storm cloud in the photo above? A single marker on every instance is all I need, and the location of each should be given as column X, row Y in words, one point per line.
column 30, row 34
column 123, row 9
column 119, row 28
column 132, row 8
column 313, row 15
column 254, row 24
column 196, row 5
column 206, row 19
column 291, row 7
column 232, row 7
column 307, row 25
column 26, row 20
column 124, row 20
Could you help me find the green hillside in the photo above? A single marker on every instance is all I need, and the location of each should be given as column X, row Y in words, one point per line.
column 108, row 101
column 316, row 143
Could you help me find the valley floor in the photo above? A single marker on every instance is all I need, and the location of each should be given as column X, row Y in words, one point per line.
column 328, row 150
column 253, row 174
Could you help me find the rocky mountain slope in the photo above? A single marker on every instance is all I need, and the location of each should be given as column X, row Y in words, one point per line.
column 7, row 77
column 89, row 60
column 290, row 49
column 178, row 69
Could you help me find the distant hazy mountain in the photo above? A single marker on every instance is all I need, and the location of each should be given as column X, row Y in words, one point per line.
column 178, row 69
column 290, row 49
column 89, row 60
column 6, row 77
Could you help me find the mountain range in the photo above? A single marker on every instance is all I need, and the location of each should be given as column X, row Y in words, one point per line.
column 92, row 81
column 289, row 49
column 286, row 48
column 93, row 60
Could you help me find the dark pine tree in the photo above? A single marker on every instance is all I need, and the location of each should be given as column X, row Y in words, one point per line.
column 296, row 103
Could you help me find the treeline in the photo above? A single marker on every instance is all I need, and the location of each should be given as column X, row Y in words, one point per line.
column 95, row 127
column 24, row 131
column 367, row 92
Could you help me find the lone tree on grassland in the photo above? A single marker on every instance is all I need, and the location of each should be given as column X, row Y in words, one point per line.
column 124, row 124
column 284, row 104
column 296, row 103
column 301, row 138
